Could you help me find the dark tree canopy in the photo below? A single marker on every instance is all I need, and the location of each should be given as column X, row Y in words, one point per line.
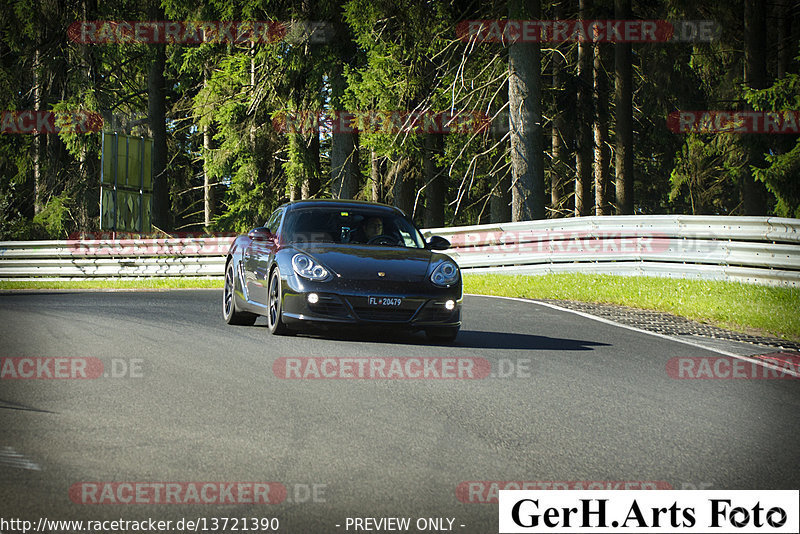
column 419, row 105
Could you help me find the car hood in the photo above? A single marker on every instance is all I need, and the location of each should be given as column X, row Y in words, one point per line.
column 355, row 262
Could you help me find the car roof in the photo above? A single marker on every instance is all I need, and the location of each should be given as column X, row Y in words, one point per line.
column 338, row 203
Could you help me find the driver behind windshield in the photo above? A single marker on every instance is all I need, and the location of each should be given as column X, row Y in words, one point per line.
column 368, row 229
column 373, row 227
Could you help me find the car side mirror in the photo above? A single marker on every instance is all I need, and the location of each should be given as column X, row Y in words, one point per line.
column 260, row 234
column 437, row 242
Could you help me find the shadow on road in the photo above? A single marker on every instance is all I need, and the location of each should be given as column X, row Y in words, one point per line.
column 466, row 339
column 502, row 340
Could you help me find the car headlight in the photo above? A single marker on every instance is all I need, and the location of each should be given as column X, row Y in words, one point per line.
column 445, row 274
column 307, row 267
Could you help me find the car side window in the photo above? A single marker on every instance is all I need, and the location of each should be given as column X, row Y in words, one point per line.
column 274, row 221
column 408, row 240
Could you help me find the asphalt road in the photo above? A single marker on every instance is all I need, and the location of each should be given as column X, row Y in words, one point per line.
column 586, row 401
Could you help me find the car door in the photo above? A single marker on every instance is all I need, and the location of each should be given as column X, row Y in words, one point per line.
column 257, row 258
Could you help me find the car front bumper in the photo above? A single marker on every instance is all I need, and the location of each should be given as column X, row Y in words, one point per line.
column 422, row 305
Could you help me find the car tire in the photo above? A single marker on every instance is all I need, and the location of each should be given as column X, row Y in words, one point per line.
column 275, row 305
column 445, row 334
column 229, row 311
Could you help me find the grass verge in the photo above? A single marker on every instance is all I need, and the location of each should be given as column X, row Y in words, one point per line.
column 112, row 284
column 741, row 307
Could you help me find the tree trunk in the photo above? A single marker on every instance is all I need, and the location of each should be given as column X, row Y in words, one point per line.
column 38, row 139
column 208, row 194
column 559, row 169
column 403, row 186
column 500, row 200
column 623, row 102
column 375, row 178
column 294, row 178
column 786, row 46
column 583, row 155
column 311, row 171
column 296, row 170
column 601, row 158
column 344, row 161
column 345, row 173
column 303, row 171
column 525, row 121
column 157, row 117
column 89, row 190
column 755, row 74
column 435, row 180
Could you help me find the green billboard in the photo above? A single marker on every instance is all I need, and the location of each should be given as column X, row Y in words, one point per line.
column 126, row 183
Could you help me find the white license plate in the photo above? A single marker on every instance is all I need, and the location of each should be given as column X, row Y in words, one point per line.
column 389, row 302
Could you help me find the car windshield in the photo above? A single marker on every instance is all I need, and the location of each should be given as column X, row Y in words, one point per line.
column 350, row 225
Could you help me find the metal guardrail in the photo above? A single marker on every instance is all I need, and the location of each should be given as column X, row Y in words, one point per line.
column 763, row 250
column 104, row 258
column 749, row 249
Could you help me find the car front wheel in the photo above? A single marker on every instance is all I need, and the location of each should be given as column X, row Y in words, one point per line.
column 229, row 312
column 275, row 305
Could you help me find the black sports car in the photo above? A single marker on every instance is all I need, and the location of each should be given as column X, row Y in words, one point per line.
column 342, row 262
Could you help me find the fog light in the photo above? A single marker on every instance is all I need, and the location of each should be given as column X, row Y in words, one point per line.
column 313, row 298
column 450, row 304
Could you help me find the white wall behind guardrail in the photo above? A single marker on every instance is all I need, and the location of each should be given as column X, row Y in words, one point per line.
column 749, row 249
